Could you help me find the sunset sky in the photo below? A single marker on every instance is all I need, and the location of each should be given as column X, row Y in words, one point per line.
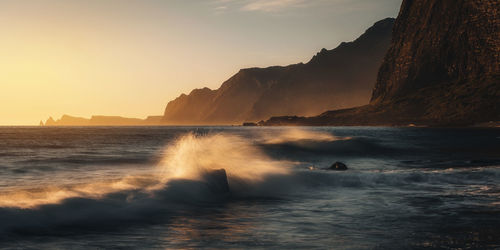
column 129, row 58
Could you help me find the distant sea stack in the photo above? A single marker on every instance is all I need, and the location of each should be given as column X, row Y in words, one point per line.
column 339, row 78
column 442, row 68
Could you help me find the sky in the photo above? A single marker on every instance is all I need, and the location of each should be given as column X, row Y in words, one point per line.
column 130, row 57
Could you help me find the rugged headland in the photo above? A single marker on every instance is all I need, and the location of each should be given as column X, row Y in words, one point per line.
column 100, row 120
column 442, row 69
column 339, row 78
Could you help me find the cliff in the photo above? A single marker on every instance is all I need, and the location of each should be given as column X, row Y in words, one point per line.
column 338, row 78
column 442, row 68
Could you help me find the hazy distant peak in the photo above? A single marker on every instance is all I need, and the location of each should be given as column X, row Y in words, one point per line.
column 101, row 120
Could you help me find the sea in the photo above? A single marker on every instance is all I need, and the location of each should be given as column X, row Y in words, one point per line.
column 164, row 188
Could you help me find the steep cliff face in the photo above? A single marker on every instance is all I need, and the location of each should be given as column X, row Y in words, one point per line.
column 339, row 78
column 443, row 65
column 442, row 68
column 439, row 41
column 185, row 107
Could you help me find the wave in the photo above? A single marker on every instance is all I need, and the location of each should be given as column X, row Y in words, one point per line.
column 189, row 158
column 284, row 135
column 183, row 177
column 353, row 147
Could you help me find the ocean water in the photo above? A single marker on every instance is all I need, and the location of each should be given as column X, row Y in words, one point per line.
column 151, row 188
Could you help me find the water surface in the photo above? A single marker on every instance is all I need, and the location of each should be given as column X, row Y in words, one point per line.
column 145, row 187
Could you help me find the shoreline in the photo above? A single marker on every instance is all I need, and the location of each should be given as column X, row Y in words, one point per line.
column 480, row 125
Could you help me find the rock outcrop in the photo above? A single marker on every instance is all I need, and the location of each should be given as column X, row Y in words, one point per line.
column 338, row 166
column 339, row 78
column 442, row 68
column 216, row 181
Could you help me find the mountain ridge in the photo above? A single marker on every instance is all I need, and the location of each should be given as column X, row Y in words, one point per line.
column 341, row 77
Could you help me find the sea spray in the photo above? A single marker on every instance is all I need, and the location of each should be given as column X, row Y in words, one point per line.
column 192, row 156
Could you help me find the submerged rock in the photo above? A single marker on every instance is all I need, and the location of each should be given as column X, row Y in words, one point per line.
column 338, row 166
column 217, row 181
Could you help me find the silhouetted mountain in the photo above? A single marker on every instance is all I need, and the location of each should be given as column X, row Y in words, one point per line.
column 99, row 120
column 50, row 122
column 338, row 78
column 443, row 68
column 185, row 107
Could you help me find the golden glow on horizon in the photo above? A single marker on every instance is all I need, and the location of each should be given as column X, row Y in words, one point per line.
column 58, row 72
column 129, row 58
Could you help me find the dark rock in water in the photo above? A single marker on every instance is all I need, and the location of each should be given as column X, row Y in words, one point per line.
column 217, row 181
column 338, row 166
